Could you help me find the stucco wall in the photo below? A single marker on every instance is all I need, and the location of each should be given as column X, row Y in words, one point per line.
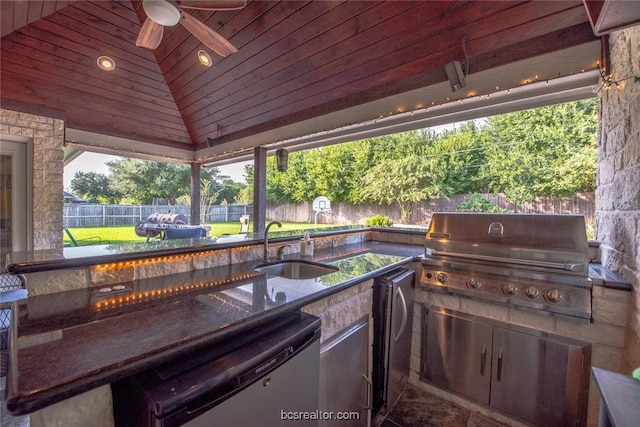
column 618, row 179
column 47, row 139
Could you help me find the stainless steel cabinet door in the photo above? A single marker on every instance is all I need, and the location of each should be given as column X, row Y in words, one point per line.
column 458, row 355
column 400, row 302
column 344, row 374
column 531, row 377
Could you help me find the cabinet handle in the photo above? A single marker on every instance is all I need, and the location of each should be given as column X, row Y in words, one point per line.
column 499, row 373
column 483, row 359
column 369, row 392
column 403, row 323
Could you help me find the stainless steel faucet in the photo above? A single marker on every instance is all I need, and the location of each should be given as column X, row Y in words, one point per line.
column 265, row 257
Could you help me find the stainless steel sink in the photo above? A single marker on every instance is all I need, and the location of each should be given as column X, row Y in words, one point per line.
column 296, row 269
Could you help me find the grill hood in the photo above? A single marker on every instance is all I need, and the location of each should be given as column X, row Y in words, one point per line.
column 539, row 241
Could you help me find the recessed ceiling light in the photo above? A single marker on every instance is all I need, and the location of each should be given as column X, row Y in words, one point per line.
column 204, row 58
column 106, row 63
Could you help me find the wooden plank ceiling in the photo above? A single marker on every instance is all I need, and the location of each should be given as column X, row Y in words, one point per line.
column 296, row 60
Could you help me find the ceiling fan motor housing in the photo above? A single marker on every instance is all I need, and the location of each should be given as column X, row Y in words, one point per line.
column 162, row 12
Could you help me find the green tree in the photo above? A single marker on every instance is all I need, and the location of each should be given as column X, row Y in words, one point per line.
column 460, row 155
column 294, row 185
column 95, row 187
column 544, row 151
column 335, row 171
column 245, row 195
column 229, row 190
column 143, row 181
column 404, row 182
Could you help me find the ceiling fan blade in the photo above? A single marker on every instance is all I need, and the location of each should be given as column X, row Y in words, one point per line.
column 213, row 4
column 150, row 34
column 206, row 35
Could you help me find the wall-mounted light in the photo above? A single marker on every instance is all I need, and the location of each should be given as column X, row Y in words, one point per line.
column 282, row 157
column 106, row 63
column 455, row 75
column 204, row 58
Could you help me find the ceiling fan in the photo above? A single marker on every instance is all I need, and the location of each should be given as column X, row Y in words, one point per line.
column 167, row 13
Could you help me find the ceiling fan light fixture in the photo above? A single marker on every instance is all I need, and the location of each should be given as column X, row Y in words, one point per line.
column 161, row 12
column 204, row 58
column 106, row 63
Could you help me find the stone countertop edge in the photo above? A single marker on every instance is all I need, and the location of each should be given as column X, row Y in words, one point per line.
column 34, row 266
column 620, row 395
column 601, row 276
column 27, row 403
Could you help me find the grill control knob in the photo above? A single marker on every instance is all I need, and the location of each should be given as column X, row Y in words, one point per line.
column 554, row 296
column 532, row 292
column 442, row 278
column 510, row 289
column 474, row 283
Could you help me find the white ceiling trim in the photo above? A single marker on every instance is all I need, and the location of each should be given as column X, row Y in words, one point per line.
column 99, row 143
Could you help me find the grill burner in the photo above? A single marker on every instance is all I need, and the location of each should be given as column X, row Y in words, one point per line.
column 531, row 261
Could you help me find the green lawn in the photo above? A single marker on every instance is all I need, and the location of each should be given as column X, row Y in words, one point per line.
column 127, row 234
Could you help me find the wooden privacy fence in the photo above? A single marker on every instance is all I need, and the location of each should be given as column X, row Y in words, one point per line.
column 345, row 213
column 85, row 215
column 90, row 215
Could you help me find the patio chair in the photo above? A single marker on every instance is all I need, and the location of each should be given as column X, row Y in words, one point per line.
column 12, row 288
column 93, row 240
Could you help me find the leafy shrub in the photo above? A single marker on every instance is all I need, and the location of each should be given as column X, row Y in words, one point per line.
column 477, row 203
column 378, row 221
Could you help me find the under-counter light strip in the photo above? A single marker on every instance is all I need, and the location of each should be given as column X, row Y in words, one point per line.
column 146, row 296
column 144, row 261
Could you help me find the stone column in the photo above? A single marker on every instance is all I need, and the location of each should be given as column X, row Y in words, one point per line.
column 618, row 178
column 47, row 139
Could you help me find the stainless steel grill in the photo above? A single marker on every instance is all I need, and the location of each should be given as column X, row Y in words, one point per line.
column 530, row 261
column 157, row 224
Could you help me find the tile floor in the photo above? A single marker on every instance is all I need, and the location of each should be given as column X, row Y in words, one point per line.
column 417, row 408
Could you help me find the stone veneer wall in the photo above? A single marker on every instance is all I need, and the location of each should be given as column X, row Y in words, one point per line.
column 47, row 139
column 618, row 179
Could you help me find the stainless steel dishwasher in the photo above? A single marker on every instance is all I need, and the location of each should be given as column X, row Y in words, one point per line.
column 267, row 377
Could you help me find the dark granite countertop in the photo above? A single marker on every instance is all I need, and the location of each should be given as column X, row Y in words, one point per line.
column 601, row 276
column 66, row 343
column 620, row 398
